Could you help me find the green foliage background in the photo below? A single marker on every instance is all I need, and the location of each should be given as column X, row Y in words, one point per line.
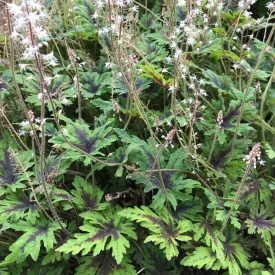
column 117, row 199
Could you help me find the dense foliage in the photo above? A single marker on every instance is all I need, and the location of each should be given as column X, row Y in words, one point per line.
column 137, row 137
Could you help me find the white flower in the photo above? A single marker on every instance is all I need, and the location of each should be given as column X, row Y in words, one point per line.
column 182, row 24
column 183, row 69
column 169, row 124
column 15, row 35
column 25, row 123
column 22, row 132
column 50, row 59
column 30, row 52
column 169, row 60
column 109, row 65
column 191, row 86
column 33, row 17
column 95, row 15
column 105, row 30
column 191, row 41
column 15, row 9
column 23, row 67
column 38, row 120
column 173, row 45
column 183, row 76
column 194, row 77
column 242, row 62
column 41, row 34
column 247, row 26
column 99, row 4
column 65, row 101
column 120, row 3
column 26, row 41
column 181, row 3
column 33, row 4
column 40, row 96
column 178, row 53
column 270, row 6
column 172, row 88
column 196, row 11
column 220, row 6
column 119, row 19
column 178, row 30
column 20, row 23
column 43, row 15
column 247, row 14
column 202, row 81
column 203, row 92
column 262, row 162
column 48, row 80
column 134, row 8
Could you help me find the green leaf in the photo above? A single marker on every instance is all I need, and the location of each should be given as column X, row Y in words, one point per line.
column 102, row 104
column 255, row 268
column 270, row 152
column 202, row 257
column 212, row 47
column 221, row 137
column 85, row 196
column 236, row 256
column 218, row 54
column 150, row 71
column 105, row 231
column 154, row 261
column 51, row 257
column 105, row 264
column 83, row 138
column 15, row 208
column 30, row 242
column 94, row 83
column 211, row 236
column 163, row 231
column 265, row 227
column 222, row 82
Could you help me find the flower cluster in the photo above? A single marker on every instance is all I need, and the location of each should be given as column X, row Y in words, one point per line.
column 220, row 118
column 110, row 197
column 29, row 21
column 169, row 138
column 270, row 6
column 157, row 124
column 245, row 4
column 28, row 125
column 254, row 156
